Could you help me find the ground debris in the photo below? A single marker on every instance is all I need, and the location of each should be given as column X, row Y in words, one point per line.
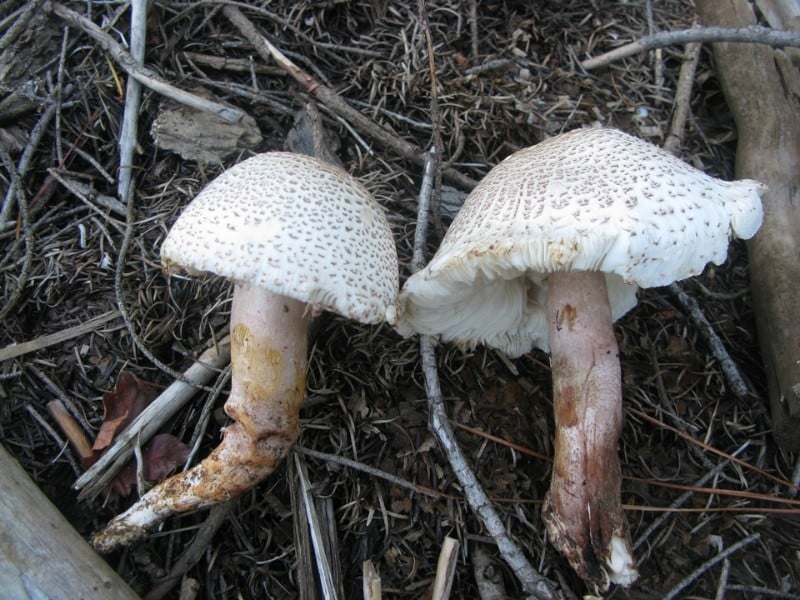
column 508, row 76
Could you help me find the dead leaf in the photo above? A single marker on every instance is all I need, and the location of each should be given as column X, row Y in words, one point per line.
column 160, row 458
column 122, row 406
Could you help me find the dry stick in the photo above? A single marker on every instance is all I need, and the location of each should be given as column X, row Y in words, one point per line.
column 133, row 97
column 706, row 566
column 722, row 587
column 741, row 389
column 371, row 588
column 23, row 16
column 195, row 551
column 144, row 75
column 532, row 582
column 27, row 155
column 22, row 204
column 129, row 204
column 739, row 386
column 51, row 339
column 56, row 390
column 374, row 472
column 745, row 35
column 683, row 94
column 445, row 569
column 69, row 425
column 124, row 185
column 683, row 498
column 151, row 419
column 326, row 578
column 333, row 101
column 83, row 191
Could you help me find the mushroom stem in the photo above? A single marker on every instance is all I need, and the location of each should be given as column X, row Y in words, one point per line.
column 269, row 342
column 583, row 510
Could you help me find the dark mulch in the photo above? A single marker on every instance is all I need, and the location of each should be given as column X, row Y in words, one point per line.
column 59, row 263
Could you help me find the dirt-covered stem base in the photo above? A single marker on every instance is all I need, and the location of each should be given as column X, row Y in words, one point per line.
column 269, row 339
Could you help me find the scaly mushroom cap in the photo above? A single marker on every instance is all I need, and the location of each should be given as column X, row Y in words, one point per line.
column 297, row 226
column 591, row 199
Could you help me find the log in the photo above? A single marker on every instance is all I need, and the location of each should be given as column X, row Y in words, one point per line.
column 41, row 555
column 762, row 88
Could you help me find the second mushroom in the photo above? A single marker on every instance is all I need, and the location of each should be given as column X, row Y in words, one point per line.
column 548, row 251
column 296, row 236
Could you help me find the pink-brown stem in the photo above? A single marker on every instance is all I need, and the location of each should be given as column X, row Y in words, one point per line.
column 269, row 342
column 583, row 510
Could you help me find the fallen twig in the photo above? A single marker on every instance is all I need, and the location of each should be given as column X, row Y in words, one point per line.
column 27, row 234
column 744, row 35
column 133, row 97
column 142, row 74
column 371, row 587
column 702, row 569
column 739, row 386
column 151, row 419
column 195, row 551
column 83, row 191
column 445, row 570
column 532, row 582
column 374, row 472
column 69, row 425
column 683, row 94
column 318, row 538
column 332, row 100
column 52, row 339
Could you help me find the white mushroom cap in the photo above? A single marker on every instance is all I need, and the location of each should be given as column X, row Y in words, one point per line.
column 591, row 199
column 297, row 226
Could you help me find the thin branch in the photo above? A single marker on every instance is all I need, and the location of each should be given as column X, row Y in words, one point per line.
column 27, row 234
column 133, row 97
column 323, row 562
column 739, row 386
column 706, row 566
column 144, row 75
column 195, row 551
column 532, row 582
column 744, row 35
column 683, row 95
column 373, row 472
column 445, row 570
column 332, row 100
column 36, row 135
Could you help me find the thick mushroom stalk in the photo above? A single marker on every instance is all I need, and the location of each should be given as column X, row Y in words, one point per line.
column 269, row 339
column 582, row 510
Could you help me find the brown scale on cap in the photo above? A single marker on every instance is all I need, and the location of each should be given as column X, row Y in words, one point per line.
column 296, row 235
column 548, row 251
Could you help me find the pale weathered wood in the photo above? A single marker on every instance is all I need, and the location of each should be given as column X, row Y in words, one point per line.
column 41, row 555
column 761, row 86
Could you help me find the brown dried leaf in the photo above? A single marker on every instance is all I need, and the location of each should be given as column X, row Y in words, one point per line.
column 122, row 406
column 164, row 454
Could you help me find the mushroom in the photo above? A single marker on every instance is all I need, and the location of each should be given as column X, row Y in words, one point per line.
column 548, row 251
column 297, row 236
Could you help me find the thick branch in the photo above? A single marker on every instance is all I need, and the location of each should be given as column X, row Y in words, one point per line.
column 761, row 86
